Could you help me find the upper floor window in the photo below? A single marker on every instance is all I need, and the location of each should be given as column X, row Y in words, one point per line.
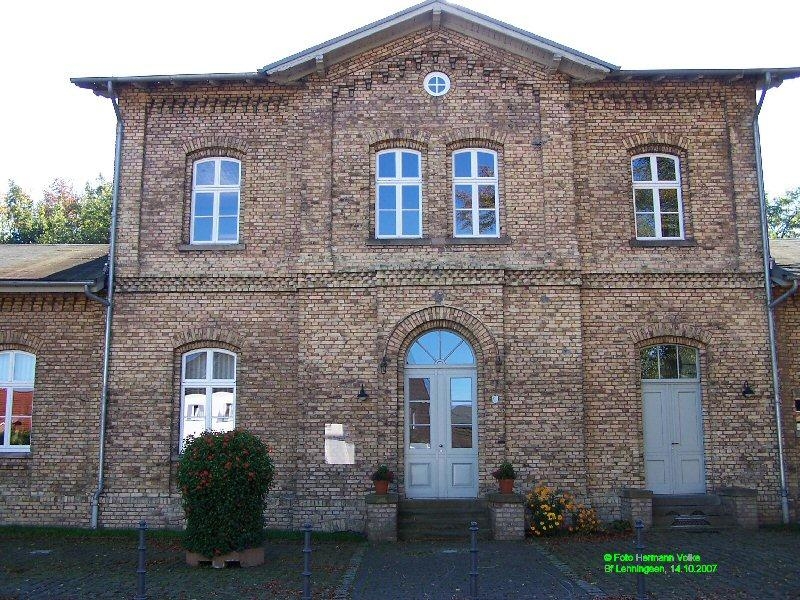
column 208, row 392
column 657, row 196
column 398, row 211
column 476, row 209
column 17, row 370
column 215, row 201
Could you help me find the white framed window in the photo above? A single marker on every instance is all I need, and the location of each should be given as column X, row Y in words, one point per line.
column 208, row 392
column 398, row 187
column 216, row 184
column 476, row 203
column 657, row 201
column 17, row 374
column 669, row 361
column 436, row 83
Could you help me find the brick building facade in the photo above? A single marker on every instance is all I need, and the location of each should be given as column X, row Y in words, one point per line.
column 365, row 213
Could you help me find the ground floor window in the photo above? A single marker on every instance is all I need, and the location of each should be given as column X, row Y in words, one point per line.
column 17, row 371
column 208, row 392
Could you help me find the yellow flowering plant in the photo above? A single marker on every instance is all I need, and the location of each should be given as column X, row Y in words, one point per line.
column 552, row 510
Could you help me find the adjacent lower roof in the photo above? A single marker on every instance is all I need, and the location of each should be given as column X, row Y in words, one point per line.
column 52, row 267
column 786, row 254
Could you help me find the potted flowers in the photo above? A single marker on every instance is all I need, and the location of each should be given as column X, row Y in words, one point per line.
column 505, row 475
column 382, row 477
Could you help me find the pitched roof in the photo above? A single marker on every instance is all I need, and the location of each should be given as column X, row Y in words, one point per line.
column 435, row 14
column 440, row 14
column 52, row 267
column 786, row 254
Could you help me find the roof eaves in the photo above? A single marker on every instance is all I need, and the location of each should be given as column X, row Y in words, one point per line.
column 779, row 74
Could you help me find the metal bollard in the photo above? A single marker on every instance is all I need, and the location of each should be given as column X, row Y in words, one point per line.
column 307, row 562
column 640, row 593
column 473, row 551
column 141, row 569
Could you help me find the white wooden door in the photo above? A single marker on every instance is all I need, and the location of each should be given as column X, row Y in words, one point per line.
column 673, row 438
column 441, row 433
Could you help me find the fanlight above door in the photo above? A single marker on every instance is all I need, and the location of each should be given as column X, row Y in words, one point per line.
column 440, row 347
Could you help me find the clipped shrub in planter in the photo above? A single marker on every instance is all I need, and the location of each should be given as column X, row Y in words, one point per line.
column 224, row 479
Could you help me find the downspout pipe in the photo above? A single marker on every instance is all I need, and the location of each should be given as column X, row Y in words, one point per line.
column 112, row 251
column 773, row 347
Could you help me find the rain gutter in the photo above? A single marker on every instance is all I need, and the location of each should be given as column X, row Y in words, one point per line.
column 112, row 250
column 773, row 348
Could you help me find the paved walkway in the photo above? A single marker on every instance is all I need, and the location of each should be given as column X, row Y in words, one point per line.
column 440, row 571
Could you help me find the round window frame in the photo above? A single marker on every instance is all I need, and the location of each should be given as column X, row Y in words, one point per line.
column 447, row 83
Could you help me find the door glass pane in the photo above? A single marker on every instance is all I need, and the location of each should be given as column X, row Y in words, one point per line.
column 687, row 358
column 195, row 366
column 650, row 363
column 222, row 409
column 461, row 436
column 668, row 361
column 419, row 395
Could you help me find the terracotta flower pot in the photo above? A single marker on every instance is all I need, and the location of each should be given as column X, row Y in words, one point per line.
column 506, row 486
column 382, row 487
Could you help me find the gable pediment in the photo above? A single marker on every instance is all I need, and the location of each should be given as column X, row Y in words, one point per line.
column 437, row 15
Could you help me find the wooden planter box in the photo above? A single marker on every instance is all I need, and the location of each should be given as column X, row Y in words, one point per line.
column 251, row 557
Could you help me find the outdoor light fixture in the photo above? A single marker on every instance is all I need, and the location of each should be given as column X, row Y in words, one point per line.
column 747, row 391
column 362, row 395
column 383, row 365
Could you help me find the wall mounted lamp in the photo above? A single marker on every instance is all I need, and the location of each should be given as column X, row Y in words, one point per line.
column 747, row 391
column 362, row 395
column 383, row 364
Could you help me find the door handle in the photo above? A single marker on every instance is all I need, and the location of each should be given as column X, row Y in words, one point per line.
column 676, row 443
column 441, row 445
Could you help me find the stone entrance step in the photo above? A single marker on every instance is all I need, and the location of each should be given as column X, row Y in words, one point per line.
column 441, row 519
column 693, row 512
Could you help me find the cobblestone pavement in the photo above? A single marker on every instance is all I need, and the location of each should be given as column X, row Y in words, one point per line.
column 440, row 570
column 57, row 566
column 759, row 565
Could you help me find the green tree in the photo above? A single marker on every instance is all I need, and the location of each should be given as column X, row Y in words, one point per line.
column 783, row 215
column 62, row 216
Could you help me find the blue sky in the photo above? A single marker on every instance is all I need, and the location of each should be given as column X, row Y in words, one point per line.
column 51, row 129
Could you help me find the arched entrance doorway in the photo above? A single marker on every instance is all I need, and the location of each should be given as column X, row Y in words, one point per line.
column 673, row 422
column 441, row 416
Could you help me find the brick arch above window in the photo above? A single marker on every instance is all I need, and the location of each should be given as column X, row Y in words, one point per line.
column 462, row 322
column 388, row 140
column 217, row 142
column 207, row 337
column 464, row 137
column 669, row 333
column 12, row 340
column 641, row 143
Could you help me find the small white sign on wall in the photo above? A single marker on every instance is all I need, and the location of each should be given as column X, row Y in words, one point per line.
column 338, row 451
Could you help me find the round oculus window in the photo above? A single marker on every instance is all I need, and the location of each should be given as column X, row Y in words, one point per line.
column 437, row 84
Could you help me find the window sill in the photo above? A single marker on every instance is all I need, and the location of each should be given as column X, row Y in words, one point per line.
column 662, row 243
column 441, row 241
column 207, row 247
column 15, row 454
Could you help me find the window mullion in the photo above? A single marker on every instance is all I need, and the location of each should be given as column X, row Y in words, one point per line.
column 475, row 210
column 209, row 407
column 7, row 420
column 398, row 194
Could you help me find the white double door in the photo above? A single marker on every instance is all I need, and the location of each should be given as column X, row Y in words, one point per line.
column 441, row 436
column 673, row 438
